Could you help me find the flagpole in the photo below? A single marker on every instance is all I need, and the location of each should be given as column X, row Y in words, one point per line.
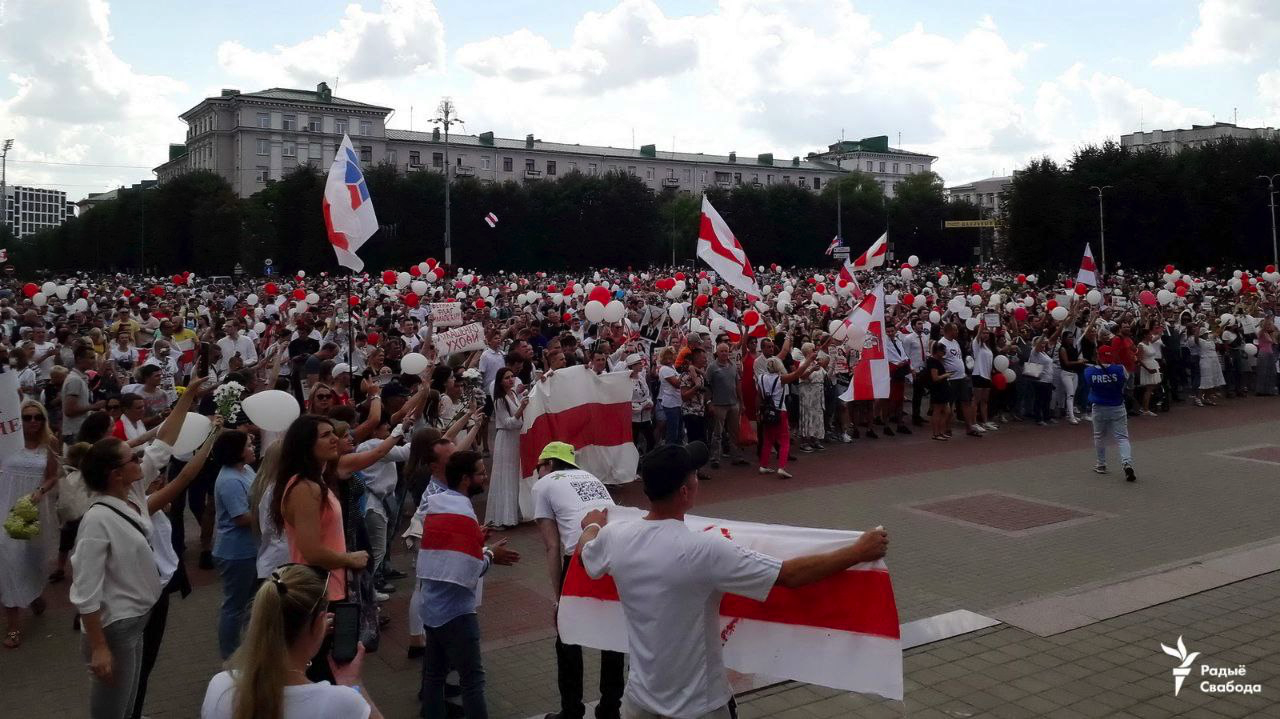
column 351, row 335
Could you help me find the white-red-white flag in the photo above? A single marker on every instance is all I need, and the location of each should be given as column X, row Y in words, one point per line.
column 846, row 273
column 871, row 374
column 491, row 219
column 1088, row 274
column 875, row 254
column 841, row 632
column 348, row 209
column 720, row 249
column 589, row 411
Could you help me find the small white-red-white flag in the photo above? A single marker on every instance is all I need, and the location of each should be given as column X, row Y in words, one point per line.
column 720, row 249
column 846, row 273
column 875, row 254
column 1088, row 274
column 492, row 219
column 871, row 374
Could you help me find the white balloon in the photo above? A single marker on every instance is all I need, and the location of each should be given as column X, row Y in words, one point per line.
column 61, row 291
column 403, row 279
column 1228, row 336
column 913, row 260
column 1000, row 363
column 986, row 285
column 271, row 409
column 761, row 307
column 1029, row 301
column 954, row 305
column 484, row 292
column 39, row 299
column 594, row 311
column 313, row 299
column 81, row 305
column 1058, row 313
column 934, row 317
column 1009, row 375
column 1164, row 297
column 676, row 311
column 1094, row 297
column 975, row 300
column 943, row 281
column 819, row 278
column 965, row 313
column 259, row 327
column 1251, row 349
column 413, row 363
column 614, row 311
column 971, row 323
column 1031, row 279
column 419, row 287
column 1237, row 274
column 918, row 302
column 782, row 305
column 906, row 274
column 195, row 429
column 48, row 287
column 251, row 299
column 301, row 273
column 784, row 296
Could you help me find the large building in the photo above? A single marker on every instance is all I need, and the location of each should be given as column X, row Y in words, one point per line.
column 255, row 138
column 873, row 156
column 28, row 210
column 986, row 193
column 93, row 199
column 1174, row 141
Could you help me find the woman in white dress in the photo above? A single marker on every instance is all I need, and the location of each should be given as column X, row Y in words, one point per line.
column 24, row 564
column 1149, row 368
column 502, row 508
column 1211, row 377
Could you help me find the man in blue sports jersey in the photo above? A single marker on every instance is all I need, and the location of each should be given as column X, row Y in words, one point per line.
column 1105, row 381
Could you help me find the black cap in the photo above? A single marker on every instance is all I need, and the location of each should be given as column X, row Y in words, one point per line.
column 394, row 389
column 665, row 469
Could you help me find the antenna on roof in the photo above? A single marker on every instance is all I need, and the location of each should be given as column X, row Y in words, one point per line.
column 411, row 118
column 1235, row 115
column 1142, row 118
column 633, row 138
column 899, row 138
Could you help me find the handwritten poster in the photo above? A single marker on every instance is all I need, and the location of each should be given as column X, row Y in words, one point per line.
column 460, row 339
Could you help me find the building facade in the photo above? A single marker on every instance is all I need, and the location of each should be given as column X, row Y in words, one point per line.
column 28, row 210
column 255, row 138
column 1174, row 141
column 986, row 193
column 873, row 156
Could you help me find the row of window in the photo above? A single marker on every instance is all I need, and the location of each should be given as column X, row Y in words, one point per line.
column 592, row 168
column 314, row 123
column 911, row 168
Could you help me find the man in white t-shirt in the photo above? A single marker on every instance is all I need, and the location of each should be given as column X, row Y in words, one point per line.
column 562, row 496
column 670, row 581
column 235, row 344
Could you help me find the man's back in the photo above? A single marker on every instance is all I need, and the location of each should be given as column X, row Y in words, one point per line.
column 670, row 581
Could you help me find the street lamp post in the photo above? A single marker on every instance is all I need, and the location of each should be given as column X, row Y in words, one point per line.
column 448, row 116
column 1271, row 190
column 1102, row 226
column 4, row 185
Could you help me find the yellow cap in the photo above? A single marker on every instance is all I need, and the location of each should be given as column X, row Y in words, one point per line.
column 558, row 450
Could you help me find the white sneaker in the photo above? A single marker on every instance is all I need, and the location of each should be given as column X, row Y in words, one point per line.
column 844, row 437
column 991, row 426
column 380, row 597
column 1087, row 418
column 766, row 470
column 784, row 474
column 977, row 428
column 1072, row 420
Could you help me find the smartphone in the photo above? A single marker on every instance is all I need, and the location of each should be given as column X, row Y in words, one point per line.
column 346, row 631
column 203, row 369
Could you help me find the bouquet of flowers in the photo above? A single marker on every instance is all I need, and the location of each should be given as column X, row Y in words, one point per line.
column 23, row 521
column 473, row 386
column 227, row 399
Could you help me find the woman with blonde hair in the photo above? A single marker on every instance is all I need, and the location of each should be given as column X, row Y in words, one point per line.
column 30, row 472
column 267, row 678
column 273, row 548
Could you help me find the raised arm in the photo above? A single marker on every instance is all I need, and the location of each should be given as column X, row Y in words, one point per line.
column 166, row 494
column 172, row 425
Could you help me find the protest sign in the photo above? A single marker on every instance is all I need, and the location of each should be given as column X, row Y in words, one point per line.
column 460, row 339
column 10, row 416
column 991, row 320
column 446, row 314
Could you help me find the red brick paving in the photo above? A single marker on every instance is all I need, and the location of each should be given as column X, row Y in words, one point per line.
column 1001, row 511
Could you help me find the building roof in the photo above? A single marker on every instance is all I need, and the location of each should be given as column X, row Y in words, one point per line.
column 1001, row 180
column 503, row 143
column 290, row 94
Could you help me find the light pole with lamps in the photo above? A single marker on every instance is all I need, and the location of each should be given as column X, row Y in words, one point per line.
column 1102, row 227
column 4, row 185
column 448, row 116
column 1271, row 190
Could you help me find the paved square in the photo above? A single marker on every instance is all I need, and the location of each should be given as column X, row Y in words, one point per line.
column 1265, row 453
column 1005, row 513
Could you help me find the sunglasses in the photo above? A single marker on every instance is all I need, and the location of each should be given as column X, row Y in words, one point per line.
column 33, row 418
column 133, row 459
column 321, row 573
column 324, row 396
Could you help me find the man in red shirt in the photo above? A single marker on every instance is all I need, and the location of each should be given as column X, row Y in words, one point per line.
column 1126, row 355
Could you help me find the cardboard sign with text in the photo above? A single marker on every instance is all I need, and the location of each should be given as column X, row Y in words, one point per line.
column 446, row 314
column 461, row 339
column 10, row 418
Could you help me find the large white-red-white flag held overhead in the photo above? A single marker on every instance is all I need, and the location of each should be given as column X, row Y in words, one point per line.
column 1088, row 274
column 720, row 249
column 841, row 632
column 875, row 254
column 871, row 374
column 348, row 209
column 589, row 411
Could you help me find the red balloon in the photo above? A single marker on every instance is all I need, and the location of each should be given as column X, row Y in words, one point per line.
column 353, row 301
column 703, row 274
column 824, row 308
column 1271, row 268
column 157, row 290
column 1050, row 305
column 975, row 287
column 700, row 301
column 728, row 301
column 1022, row 279
column 1081, row 289
column 300, row 294
column 1070, row 283
column 178, row 279
column 431, row 263
column 842, row 282
column 600, row 294
column 1168, row 269
column 821, row 288
column 908, row 299
column 679, row 275
column 998, row 381
column 1020, row 313
column 1147, row 298
column 1181, row 290
column 751, row 318
column 566, row 317
column 126, row 292
column 439, row 273
column 552, row 289
column 272, row 289
column 30, row 289
column 479, row 303
column 388, row 277
column 568, row 290
column 906, row 265
column 411, row 300
column 414, row 271
column 812, row 281
column 373, row 338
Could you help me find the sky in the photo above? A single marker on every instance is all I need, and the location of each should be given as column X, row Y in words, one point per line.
column 91, row 90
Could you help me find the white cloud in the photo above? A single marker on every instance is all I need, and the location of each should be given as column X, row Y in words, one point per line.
column 75, row 100
column 403, row 37
column 1230, row 31
column 1269, row 95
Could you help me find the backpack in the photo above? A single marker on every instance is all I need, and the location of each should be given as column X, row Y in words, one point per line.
column 769, row 414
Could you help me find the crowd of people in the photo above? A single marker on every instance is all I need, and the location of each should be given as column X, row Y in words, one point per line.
column 394, row 437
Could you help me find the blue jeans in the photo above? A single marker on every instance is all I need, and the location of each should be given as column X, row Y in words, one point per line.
column 673, row 418
column 1111, row 420
column 455, row 644
column 238, row 577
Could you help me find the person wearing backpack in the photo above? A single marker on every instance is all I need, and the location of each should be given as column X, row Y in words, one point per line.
column 771, row 386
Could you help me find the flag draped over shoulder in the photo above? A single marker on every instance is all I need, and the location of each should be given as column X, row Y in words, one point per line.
column 720, row 249
column 348, row 209
column 841, row 632
column 1088, row 274
column 590, row 411
column 452, row 548
column 871, row 374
